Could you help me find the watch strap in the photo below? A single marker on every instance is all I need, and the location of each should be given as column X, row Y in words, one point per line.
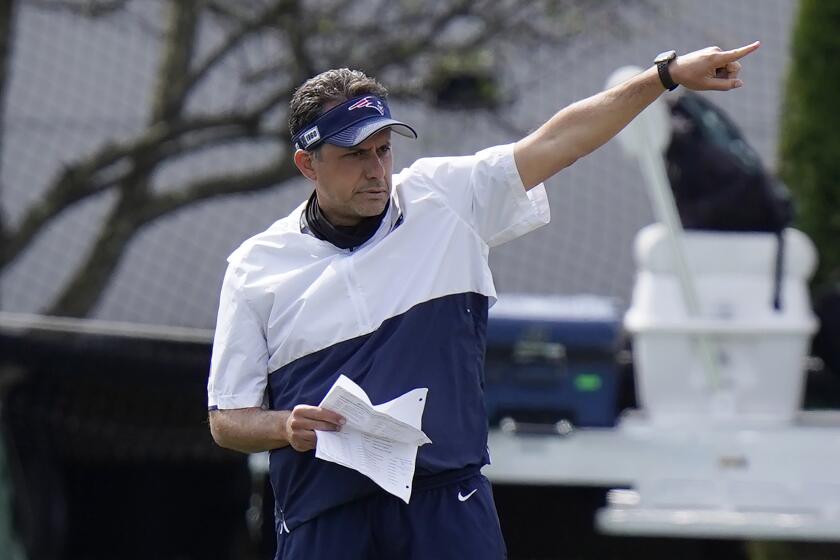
column 665, row 74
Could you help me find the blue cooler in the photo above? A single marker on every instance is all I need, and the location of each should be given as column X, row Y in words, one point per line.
column 552, row 359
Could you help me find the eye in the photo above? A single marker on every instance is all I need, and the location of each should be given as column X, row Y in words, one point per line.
column 384, row 149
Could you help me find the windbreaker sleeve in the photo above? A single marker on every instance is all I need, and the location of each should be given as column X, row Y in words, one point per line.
column 239, row 364
column 485, row 190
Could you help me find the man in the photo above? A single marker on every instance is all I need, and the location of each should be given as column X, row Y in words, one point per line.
column 385, row 280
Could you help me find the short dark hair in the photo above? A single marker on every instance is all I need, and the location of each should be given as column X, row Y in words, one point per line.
column 337, row 85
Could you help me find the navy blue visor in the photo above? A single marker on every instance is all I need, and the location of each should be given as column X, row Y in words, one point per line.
column 350, row 123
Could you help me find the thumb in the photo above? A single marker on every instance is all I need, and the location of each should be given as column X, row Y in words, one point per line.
column 721, row 84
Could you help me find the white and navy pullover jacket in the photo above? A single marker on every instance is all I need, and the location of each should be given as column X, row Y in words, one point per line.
column 406, row 309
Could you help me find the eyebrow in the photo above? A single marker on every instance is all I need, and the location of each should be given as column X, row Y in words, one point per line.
column 351, row 151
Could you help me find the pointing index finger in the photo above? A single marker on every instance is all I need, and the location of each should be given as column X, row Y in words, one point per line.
column 735, row 54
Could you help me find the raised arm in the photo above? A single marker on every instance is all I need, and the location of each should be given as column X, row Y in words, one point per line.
column 586, row 125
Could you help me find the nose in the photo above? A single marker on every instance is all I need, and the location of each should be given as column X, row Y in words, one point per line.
column 375, row 167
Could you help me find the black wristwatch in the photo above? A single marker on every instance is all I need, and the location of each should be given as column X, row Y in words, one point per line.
column 662, row 61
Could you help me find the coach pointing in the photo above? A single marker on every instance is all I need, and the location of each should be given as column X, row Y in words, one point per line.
column 383, row 277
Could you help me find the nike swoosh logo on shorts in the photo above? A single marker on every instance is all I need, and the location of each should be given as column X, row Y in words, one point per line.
column 462, row 498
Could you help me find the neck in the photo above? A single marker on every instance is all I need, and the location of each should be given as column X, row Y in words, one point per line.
column 334, row 219
column 342, row 236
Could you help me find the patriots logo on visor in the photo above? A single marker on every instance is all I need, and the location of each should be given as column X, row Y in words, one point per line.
column 372, row 102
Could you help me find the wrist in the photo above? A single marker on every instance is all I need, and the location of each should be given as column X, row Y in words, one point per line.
column 665, row 63
column 281, row 423
column 677, row 69
column 651, row 76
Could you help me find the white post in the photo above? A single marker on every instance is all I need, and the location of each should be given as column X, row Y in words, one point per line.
column 645, row 139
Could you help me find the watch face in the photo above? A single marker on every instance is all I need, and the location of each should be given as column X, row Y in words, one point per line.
column 665, row 56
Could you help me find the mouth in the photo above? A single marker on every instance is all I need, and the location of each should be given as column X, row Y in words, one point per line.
column 375, row 188
column 374, row 192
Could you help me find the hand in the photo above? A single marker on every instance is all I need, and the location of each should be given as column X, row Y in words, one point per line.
column 710, row 68
column 303, row 420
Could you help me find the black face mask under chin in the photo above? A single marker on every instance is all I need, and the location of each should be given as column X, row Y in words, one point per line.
column 344, row 237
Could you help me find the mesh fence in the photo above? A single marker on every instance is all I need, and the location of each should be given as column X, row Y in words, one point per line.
column 78, row 84
column 87, row 414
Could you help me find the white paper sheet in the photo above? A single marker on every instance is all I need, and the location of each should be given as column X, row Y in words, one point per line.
column 378, row 441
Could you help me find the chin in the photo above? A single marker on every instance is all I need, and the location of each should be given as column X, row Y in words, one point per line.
column 370, row 210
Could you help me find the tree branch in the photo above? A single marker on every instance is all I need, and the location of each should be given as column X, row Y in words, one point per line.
column 89, row 8
column 171, row 88
column 96, row 173
column 87, row 284
column 132, row 213
column 7, row 19
column 278, row 171
column 405, row 40
column 246, row 30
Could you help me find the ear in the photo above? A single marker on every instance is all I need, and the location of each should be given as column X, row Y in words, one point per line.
column 303, row 161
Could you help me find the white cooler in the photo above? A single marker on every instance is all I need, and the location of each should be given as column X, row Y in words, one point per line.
column 758, row 351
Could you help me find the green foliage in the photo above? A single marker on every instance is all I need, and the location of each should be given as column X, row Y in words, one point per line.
column 810, row 142
column 466, row 81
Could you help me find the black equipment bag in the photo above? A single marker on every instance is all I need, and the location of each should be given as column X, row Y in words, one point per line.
column 718, row 180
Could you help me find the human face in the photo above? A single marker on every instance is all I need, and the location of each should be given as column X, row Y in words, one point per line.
column 353, row 183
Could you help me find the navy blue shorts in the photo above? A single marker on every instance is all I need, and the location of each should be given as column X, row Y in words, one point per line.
column 455, row 520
